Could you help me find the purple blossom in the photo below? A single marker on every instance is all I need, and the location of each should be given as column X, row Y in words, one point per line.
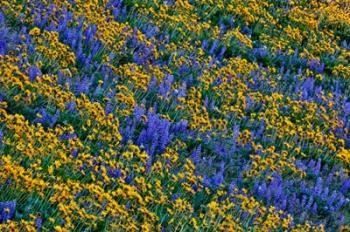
column 34, row 72
column 7, row 210
column 70, row 106
column 316, row 66
column 204, row 44
column 2, row 19
column 2, row 46
column 156, row 135
column 68, row 136
column 260, row 52
column 46, row 117
column 1, row 137
column 109, row 108
column 174, row 197
column 196, row 155
column 82, row 86
column 249, row 102
column 38, row 222
column 115, row 173
column 345, row 186
column 179, row 127
column 347, row 108
column 74, row 153
column 165, row 86
column 213, row 47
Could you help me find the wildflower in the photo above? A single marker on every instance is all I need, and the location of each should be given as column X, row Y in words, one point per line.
column 1, row 137
column 35, row 31
column 7, row 210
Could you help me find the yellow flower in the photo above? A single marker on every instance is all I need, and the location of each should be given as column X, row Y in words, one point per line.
column 60, row 229
column 344, row 155
column 35, row 31
column 194, row 224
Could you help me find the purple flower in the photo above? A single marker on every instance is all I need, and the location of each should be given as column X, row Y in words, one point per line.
column 347, row 108
column 68, row 136
column 213, row 47
column 109, row 108
column 261, row 189
column 34, row 72
column 83, row 85
column 174, row 197
column 7, row 210
column 38, row 222
column 249, row 102
column 70, row 105
column 308, row 84
column 316, row 66
column 128, row 179
column 314, row 208
column 156, row 135
column 196, row 154
column 2, row 18
column 260, row 52
column 345, row 186
column 179, row 127
column 2, row 46
column 1, row 137
column 332, row 198
column 47, row 118
column 115, row 173
column 318, row 186
column 74, row 153
column 317, row 168
column 165, row 86
column 181, row 92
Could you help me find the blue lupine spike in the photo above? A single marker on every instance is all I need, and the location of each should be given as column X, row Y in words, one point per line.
column 109, row 108
column 2, row 19
column 317, row 167
column 332, row 198
column 309, row 203
column 213, row 47
column 283, row 205
column 303, row 201
column 341, row 220
column 345, row 186
column 47, row 118
column 3, row 46
column 293, row 203
column 179, row 127
column 314, row 208
column 156, row 135
column 165, row 137
column 325, row 193
column 205, row 44
column 83, row 85
column 196, row 155
column 217, row 179
column 115, row 173
column 38, row 222
column 1, row 137
column 34, row 72
column 165, row 86
column 339, row 203
column 116, row 13
column 318, row 186
column 249, row 102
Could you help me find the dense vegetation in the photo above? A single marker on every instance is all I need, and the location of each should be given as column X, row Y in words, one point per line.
column 177, row 115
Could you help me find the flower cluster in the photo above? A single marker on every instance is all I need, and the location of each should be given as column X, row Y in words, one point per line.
column 176, row 115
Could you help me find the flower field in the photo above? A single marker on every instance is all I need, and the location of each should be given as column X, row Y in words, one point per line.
column 174, row 115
